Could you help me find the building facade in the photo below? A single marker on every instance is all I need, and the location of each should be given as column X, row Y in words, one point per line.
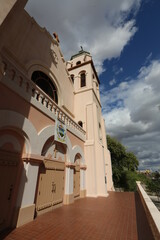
column 52, row 135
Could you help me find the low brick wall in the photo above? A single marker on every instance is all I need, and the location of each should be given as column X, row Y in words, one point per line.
column 151, row 210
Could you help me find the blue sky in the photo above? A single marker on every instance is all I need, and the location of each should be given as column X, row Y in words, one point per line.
column 123, row 38
column 142, row 48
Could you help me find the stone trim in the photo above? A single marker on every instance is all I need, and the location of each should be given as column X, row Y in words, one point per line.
column 68, row 199
column 32, row 158
column 83, row 193
column 70, row 165
column 83, row 167
column 26, row 214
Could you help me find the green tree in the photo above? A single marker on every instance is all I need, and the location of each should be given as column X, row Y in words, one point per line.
column 153, row 185
column 143, row 178
column 131, row 162
column 117, row 151
column 124, row 165
column 129, row 179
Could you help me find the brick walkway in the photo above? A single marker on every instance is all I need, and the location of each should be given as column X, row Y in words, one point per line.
column 119, row 216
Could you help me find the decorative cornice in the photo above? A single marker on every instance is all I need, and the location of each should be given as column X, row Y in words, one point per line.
column 70, row 165
column 32, row 158
column 74, row 165
column 83, row 167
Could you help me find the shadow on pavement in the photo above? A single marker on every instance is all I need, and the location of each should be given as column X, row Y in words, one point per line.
column 5, row 233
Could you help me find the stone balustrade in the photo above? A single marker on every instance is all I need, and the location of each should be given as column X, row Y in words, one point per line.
column 151, row 210
column 31, row 92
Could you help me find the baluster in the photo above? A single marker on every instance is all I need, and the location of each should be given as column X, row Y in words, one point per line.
column 66, row 120
column 45, row 101
column 36, row 94
column 50, row 106
column 54, row 109
column 33, row 92
column 60, row 115
column 57, row 113
column 27, row 86
column 20, row 80
column 41, row 98
column 12, row 74
column 3, row 68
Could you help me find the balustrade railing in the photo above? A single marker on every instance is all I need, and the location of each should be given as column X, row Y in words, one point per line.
column 10, row 73
column 151, row 210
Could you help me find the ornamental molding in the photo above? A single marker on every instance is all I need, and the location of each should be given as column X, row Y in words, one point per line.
column 54, row 56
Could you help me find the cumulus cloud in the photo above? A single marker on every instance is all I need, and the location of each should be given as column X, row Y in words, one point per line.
column 112, row 82
column 100, row 26
column 132, row 114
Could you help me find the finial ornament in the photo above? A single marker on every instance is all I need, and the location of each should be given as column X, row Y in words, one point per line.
column 81, row 48
column 56, row 36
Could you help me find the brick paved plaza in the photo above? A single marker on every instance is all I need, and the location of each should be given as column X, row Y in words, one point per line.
column 117, row 217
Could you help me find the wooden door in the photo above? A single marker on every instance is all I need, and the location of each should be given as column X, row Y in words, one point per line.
column 58, row 186
column 8, row 176
column 76, row 190
column 50, row 187
column 44, row 193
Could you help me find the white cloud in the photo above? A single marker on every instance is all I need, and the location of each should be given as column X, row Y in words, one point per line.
column 136, row 121
column 118, row 71
column 100, row 26
column 112, row 82
column 148, row 59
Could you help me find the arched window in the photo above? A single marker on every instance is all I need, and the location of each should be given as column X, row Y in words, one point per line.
column 80, row 123
column 72, row 77
column 79, row 62
column 100, row 132
column 83, row 79
column 45, row 83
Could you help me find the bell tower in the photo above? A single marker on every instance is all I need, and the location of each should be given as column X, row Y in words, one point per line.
column 87, row 110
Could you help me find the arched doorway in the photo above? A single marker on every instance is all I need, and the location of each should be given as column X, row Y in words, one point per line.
column 12, row 145
column 50, row 188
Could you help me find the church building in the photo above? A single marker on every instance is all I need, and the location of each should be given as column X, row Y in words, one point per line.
column 53, row 146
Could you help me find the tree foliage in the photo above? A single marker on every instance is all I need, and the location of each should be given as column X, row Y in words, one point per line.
column 124, row 165
column 153, row 185
column 131, row 162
